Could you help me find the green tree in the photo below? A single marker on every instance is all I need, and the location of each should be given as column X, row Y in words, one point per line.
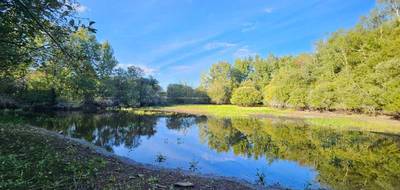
column 30, row 31
column 105, row 68
column 242, row 69
column 107, row 61
column 291, row 82
column 387, row 75
column 184, row 94
column 219, row 82
column 263, row 70
column 246, row 95
column 83, row 76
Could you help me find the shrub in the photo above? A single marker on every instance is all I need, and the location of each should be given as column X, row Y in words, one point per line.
column 246, row 95
column 323, row 97
column 219, row 93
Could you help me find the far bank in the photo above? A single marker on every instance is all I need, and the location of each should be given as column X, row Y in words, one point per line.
column 344, row 121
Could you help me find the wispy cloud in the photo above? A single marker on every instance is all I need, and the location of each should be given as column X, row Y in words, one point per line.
column 182, row 68
column 268, row 10
column 248, row 26
column 169, row 47
column 243, row 51
column 148, row 70
column 210, row 48
column 218, row 45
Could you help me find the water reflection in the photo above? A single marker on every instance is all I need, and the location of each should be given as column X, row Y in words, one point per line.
column 344, row 160
column 270, row 151
column 105, row 130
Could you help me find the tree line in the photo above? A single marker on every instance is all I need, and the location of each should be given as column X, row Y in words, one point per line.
column 355, row 70
column 51, row 58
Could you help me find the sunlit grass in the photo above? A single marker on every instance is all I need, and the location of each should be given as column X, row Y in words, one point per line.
column 357, row 123
column 314, row 119
column 225, row 110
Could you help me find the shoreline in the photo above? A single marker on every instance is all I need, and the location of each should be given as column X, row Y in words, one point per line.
column 128, row 170
column 344, row 121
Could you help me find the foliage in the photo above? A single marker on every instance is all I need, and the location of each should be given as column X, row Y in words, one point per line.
column 219, row 83
column 30, row 33
column 51, row 58
column 246, row 95
column 343, row 159
column 184, row 94
column 355, row 70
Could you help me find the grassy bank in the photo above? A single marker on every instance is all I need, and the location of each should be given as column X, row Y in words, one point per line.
column 317, row 119
column 32, row 158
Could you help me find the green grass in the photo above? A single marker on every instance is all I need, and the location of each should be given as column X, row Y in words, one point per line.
column 314, row 119
column 225, row 110
column 357, row 123
column 31, row 162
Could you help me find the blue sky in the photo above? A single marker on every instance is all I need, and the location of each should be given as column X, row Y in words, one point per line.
column 177, row 40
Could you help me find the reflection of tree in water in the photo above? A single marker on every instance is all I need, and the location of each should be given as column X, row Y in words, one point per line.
column 344, row 160
column 179, row 123
column 106, row 130
column 220, row 134
column 182, row 123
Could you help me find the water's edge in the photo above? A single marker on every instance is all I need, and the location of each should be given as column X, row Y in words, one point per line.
column 128, row 161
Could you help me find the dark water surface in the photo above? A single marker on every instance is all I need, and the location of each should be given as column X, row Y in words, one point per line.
column 276, row 150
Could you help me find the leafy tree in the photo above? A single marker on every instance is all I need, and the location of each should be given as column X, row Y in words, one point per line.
column 242, row 68
column 387, row 75
column 83, row 76
column 263, row 70
column 105, row 68
column 246, row 95
column 219, row 92
column 107, row 61
column 219, row 82
column 183, row 94
column 29, row 33
column 323, row 96
column 23, row 22
column 149, row 92
column 290, row 85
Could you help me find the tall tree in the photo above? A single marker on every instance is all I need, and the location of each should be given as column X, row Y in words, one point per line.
column 219, row 82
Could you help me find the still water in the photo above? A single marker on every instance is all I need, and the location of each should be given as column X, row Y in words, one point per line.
column 280, row 151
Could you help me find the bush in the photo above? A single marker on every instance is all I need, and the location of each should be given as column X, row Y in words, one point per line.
column 184, row 94
column 219, row 93
column 323, row 97
column 246, row 96
column 276, row 96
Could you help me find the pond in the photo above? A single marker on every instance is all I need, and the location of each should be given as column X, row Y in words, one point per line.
column 270, row 151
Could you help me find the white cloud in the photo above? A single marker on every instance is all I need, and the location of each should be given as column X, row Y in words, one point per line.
column 80, row 8
column 146, row 69
column 218, row 45
column 268, row 10
column 243, row 52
